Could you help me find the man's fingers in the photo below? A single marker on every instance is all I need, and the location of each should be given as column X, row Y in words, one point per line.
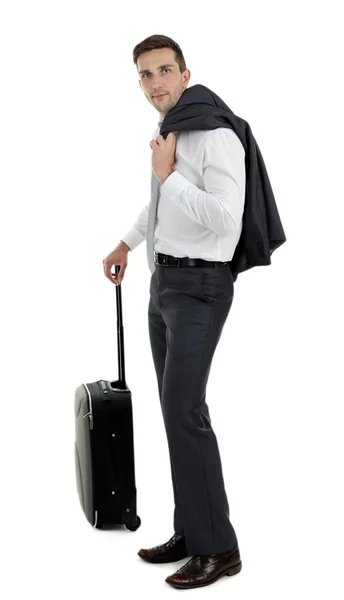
column 118, row 276
column 107, row 270
column 117, row 260
column 108, row 273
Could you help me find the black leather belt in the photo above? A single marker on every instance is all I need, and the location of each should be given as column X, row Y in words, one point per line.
column 167, row 260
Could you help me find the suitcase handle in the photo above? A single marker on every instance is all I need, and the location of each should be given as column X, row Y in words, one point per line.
column 120, row 340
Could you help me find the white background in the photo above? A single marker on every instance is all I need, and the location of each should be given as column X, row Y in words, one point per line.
column 75, row 173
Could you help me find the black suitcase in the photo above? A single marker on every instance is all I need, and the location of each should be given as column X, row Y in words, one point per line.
column 104, row 445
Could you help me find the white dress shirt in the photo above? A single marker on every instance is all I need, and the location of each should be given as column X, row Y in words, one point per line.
column 200, row 205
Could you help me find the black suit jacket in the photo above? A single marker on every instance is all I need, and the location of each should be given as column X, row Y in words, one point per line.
column 262, row 232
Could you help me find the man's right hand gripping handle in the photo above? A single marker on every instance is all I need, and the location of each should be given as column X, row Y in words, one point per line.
column 119, row 256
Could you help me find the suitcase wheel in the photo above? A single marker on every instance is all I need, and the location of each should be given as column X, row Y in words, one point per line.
column 135, row 525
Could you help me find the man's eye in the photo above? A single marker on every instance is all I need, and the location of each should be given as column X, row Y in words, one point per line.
column 144, row 75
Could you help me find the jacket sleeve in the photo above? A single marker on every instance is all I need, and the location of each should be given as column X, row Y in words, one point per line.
column 221, row 205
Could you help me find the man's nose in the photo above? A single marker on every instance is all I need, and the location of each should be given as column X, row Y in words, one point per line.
column 156, row 85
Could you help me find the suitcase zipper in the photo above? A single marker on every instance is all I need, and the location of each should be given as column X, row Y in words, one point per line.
column 89, row 414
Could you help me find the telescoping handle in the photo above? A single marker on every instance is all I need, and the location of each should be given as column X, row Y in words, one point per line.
column 120, row 340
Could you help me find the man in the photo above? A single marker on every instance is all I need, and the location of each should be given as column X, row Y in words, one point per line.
column 199, row 219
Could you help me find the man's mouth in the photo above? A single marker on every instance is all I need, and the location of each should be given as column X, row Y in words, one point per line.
column 159, row 95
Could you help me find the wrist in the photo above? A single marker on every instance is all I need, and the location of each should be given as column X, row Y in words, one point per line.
column 167, row 174
column 123, row 246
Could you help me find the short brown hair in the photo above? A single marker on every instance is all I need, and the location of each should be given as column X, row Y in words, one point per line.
column 160, row 41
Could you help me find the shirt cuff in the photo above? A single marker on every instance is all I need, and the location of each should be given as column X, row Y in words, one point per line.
column 174, row 185
column 133, row 238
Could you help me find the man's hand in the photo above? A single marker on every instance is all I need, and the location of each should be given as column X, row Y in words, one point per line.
column 119, row 256
column 163, row 156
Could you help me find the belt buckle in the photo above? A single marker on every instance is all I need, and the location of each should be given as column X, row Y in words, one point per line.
column 164, row 261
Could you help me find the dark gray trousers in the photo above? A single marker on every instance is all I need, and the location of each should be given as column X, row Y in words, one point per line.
column 187, row 310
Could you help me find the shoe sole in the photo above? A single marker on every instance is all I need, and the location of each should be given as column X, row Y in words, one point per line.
column 231, row 571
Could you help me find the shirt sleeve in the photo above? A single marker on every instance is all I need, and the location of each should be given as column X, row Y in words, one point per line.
column 138, row 232
column 221, row 205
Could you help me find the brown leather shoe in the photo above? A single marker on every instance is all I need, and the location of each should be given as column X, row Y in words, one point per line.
column 205, row 569
column 174, row 549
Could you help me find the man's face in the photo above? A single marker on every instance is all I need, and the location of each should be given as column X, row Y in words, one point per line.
column 160, row 79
